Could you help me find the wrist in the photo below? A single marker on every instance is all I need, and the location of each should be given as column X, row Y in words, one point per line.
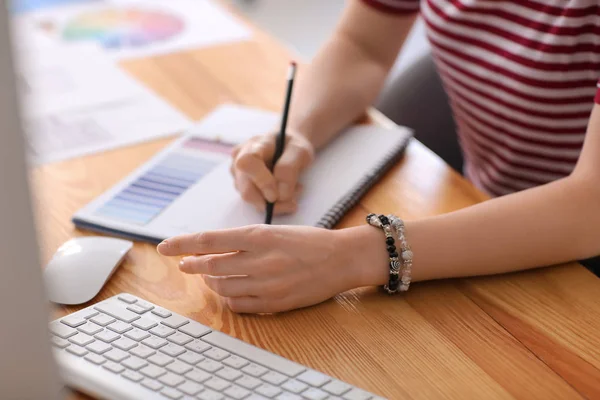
column 365, row 256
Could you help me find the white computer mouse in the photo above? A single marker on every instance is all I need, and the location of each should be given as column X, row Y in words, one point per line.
column 81, row 267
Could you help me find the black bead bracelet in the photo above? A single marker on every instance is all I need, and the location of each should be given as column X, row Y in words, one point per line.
column 383, row 222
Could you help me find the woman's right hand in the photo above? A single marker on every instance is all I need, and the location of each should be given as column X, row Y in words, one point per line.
column 253, row 179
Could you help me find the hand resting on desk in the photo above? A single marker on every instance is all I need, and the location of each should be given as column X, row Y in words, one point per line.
column 266, row 268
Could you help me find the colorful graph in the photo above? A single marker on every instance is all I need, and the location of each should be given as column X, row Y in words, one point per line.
column 153, row 191
column 118, row 28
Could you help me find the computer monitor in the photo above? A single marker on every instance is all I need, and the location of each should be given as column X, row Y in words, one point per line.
column 27, row 369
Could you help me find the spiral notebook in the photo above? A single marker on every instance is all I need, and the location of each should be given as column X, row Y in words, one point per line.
column 188, row 187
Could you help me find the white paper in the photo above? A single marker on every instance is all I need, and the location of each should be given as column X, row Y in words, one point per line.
column 213, row 203
column 73, row 134
column 137, row 28
column 54, row 79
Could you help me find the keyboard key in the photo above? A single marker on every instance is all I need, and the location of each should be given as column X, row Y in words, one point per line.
column 237, row 392
column 77, row 350
column 315, row 394
column 179, row 367
column 61, row 330
column 98, row 347
column 127, row 298
column 142, row 351
column 274, row 378
column 107, row 336
column 171, row 393
column 136, row 309
column 162, row 331
column 60, row 343
column 198, row 375
column 152, row 371
column 120, row 327
column 81, row 339
column 217, row 384
column 134, row 363
column 180, row 338
column 117, row 355
column 268, row 390
column 190, row 388
column 132, row 376
column 144, row 305
column 294, row 386
column 171, row 379
column 172, row 349
column 113, row 367
column 197, row 346
column 245, row 350
column 210, row 365
column 73, row 321
column 195, row 329
column 288, row 396
column 137, row 334
column 152, row 385
column 248, row 382
column 229, row 373
column 255, row 370
column 235, row 362
column 125, row 344
column 87, row 313
column 357, row 394
column 161, row 312
column 102, row 319
column 144, row 323
column 154, row 342
column 314, row 378
column 216, row 354
column 90, row 328
column 191, row 357
column 113, row 309
column 336, row 387
column 95, row 358
column 210, row 395
column 160, row 359
column 175, row 321
column 256, row 397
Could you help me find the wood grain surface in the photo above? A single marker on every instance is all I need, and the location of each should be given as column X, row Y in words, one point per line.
column 533, row 335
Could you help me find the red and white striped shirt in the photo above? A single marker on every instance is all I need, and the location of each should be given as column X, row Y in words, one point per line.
column 521, row 76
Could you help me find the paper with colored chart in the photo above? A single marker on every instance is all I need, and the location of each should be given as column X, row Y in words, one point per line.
column 188, row 186
column 137, row 28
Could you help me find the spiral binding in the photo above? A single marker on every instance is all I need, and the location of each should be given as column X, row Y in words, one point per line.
column 337, row 212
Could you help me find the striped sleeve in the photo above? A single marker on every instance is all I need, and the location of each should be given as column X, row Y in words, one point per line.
column 394, row 6
column 597, row 98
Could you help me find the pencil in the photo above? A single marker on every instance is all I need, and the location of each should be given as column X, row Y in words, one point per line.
column 281, row 137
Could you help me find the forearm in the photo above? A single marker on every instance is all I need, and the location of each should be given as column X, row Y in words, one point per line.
column 346, row 75
column 548, row 225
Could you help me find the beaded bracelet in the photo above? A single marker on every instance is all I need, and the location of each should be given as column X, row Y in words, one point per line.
column 383, row 222
column 405, row 251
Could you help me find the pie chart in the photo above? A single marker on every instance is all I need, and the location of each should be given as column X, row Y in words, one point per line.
column 119, row 28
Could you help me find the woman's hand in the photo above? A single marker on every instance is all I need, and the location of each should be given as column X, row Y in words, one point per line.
column 264, row 268
column 254, row 180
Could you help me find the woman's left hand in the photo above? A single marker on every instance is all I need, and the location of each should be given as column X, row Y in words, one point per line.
column 264, row 268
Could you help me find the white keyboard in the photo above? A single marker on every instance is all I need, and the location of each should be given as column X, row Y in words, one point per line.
column 127, row 348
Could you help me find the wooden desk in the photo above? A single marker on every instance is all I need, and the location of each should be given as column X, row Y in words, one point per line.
column 529, row 335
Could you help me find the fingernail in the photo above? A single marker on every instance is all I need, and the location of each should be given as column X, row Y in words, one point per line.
column 182, row 263
column 270, row 195
column 163, row 245
column 284, row 190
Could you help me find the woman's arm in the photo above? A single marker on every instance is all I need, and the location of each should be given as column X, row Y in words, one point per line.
column 547, row 225
column 348, row 72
